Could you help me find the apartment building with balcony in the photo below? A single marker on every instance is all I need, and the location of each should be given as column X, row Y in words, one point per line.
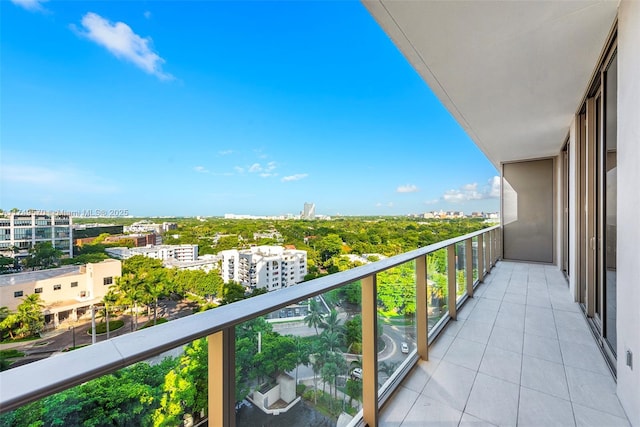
column 23, row 230
column 546, row 331
column 264, row 267
column 181, row 253
column 66, row 292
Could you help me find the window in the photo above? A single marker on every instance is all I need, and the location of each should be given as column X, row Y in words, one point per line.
column 38, row 290
column 108, row 281
column 17, row 294
column 74, row 284
column 57, row 287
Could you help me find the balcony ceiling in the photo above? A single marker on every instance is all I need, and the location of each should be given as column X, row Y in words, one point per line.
column 512, row 73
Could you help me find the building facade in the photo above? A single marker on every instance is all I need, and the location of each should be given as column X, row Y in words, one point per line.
column 182, row 253
column 309, row 211
column 264, row 267
column 24, row 230
column 67, row 292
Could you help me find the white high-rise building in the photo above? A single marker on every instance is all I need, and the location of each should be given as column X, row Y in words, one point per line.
column 268, row 267
column 309, row 211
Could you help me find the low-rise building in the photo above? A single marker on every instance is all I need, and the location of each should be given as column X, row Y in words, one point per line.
column 181, row 253
column 67, row 292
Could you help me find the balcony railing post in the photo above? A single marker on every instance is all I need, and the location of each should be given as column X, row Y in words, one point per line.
column 422, row 312
column 494, row 247
column 369, row 351
column 487, row 253
column 221, row 381
column 480, row 258
column 452, row 285
column 468, row 264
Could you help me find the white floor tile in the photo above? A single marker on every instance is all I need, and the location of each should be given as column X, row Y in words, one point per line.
column 397, row 408
column 431, row 412
column 494, row 400
column 544, row 376
column 465, row 353
column 450, row 384
column 507, row 339
column 502, row 364
column 593, row 390
column 587, row 417
column 542, row 348
column 541, row 409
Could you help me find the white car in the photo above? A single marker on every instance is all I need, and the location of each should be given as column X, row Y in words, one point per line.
column 357, row 373
column 404, row 347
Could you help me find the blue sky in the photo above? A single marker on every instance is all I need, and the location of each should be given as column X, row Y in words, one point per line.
column 211, row 107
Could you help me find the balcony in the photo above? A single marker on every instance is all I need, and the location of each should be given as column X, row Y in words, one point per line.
column 520, row 353
column 494, row 342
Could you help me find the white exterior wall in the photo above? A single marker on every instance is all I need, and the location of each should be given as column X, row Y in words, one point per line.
column 274, row 266
column 88, row 286
column 628, row 246
column 230, row 265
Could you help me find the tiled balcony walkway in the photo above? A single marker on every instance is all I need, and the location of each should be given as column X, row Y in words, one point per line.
column 520, row 354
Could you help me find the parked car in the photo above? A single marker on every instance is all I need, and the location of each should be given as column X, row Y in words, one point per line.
column 357, row 373
column 404, row 347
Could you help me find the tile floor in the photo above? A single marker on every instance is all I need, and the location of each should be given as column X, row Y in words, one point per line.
column 520, row 354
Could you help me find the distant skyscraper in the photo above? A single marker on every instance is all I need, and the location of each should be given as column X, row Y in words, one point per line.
column 309, row 211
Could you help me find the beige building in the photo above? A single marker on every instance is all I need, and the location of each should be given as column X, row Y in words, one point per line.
column 67, row 292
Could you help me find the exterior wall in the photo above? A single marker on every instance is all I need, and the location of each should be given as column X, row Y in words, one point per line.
column 88, row 280
column 269, row 267
column 628, row 245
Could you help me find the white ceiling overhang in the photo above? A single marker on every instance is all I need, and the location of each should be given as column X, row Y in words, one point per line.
column 512, row 73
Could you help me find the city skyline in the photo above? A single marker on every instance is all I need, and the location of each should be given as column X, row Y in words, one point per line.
column 207, row 108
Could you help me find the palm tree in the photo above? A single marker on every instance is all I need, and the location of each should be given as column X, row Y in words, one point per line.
column 332, row 322
column 30, row 315
column 109, row 299
column 302, row 354
column 314, row 318
column 154, row 289
column 331, row 340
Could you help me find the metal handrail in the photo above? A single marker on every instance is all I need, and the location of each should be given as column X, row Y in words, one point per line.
column 27, row 383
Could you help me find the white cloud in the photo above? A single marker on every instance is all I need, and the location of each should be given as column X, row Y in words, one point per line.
column 239, row 169
column 264, row 171
column 409, row 188
column 494, row 192
column 54, row 179
column 201, row 169
column 472, row 192
column 296, row 177
column 31, row 5
column 119, row 39
column 225, row 152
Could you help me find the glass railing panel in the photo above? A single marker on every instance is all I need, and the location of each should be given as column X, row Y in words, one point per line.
column 474, row 245
column 301, row 365
column 461, row 274
column 437, row 286
column 169, row 389
column 396, row 318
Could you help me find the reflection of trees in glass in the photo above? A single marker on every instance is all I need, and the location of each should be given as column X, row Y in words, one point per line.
column 397, row 290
